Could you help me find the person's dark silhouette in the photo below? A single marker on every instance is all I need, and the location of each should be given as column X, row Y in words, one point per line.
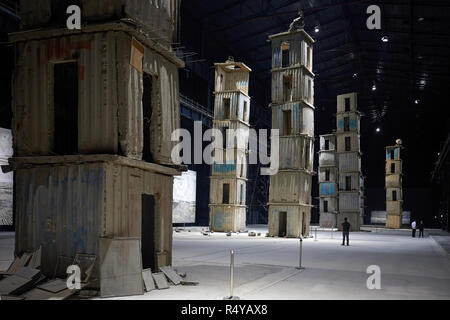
column 345, row 231
column 421, row 227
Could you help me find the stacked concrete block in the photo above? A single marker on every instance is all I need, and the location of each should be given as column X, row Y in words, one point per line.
column 229, row 174
column 93, row 115
column 293, row 115
column 328, row 179
column 394, row 191
column 348, row 152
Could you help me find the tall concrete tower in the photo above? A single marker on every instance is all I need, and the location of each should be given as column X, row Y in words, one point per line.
column 328, row 178
column 349, row 161
column 293, row 115
column 229, row 177
column 394, row 192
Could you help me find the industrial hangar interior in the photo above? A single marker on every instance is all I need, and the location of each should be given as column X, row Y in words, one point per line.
column 234, row 149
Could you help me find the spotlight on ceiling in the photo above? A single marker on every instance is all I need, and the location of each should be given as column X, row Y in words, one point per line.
column 377, row 129
column 374, row 87
column 420, row 19
column 417, row 101
column 316, row 29
column 355, row 75
column 385, row 39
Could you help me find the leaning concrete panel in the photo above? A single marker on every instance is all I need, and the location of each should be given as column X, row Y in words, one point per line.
column 120, row 267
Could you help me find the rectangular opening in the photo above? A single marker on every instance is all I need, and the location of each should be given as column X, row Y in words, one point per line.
column 65, row 93
column 346, row 123
column 308, row 56
column 226, row 108
column 309, row 98
column 148, row 232
column 244, row 117
column 287, row 122
column 224, row 137
column 327, row 175
column 147, row 114
column 282, row 223
column 347, row 104
column 242, row 193
column 327, row 144
column 325, row 206
column 394, row 195
column 348, row 183
column 285, row 46
column 287, row 87
column 226, row 193
column 392, row 167
column 348, row 145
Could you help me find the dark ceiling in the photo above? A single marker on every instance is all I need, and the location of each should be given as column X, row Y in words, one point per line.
column 412, row 65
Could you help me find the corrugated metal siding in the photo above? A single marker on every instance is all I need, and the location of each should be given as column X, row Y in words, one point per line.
column 322, row 174
column 59, row 208
column 296, row 216
column 161, row 18
column 354, row 141
column 293, row 153
column 225, row 218
column 327, row 158
column 297, row 49
column 236, row 81
column 393, row 180
column 353, row 102
column 332, row 142
column 166, row 109
column 389, row 193
column 398, row 166
column 33, row 93
column 349, row 162
column 287, row 186
column 297, row 85
column 349, row 201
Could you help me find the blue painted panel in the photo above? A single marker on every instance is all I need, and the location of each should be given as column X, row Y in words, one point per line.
column 218, row 219
column 341, row 124
column 224, row 168
column 396, row 153
column 327, row 189
column 353, row 123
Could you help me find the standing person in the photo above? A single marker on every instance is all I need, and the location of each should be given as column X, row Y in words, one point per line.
column 413, row 226
column 345, row 231
column 421, row 227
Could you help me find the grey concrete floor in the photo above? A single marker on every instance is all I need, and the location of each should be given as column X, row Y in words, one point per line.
column 411, row 268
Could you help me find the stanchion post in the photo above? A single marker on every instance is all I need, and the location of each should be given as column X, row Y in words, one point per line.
column 231, row 297
column 300, row 256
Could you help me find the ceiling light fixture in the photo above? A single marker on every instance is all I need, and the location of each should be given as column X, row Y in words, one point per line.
column 374, row 87
column 385, row 39
column 316, row 29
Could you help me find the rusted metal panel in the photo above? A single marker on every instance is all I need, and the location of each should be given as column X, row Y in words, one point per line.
column 355, row 145
column 349, row 162
column 393, row 181
column 237, row 100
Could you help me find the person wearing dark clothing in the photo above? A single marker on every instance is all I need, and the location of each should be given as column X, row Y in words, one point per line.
column 421, row 227
column 345, row 231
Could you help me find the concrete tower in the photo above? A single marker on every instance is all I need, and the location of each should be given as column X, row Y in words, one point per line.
column 229, row 176
column 349, row 161
column 293, row 115
column 94, row 110
column 328, row 178
column 394, row 192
